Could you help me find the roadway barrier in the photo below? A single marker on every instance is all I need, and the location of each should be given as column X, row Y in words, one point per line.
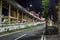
column 18, row 26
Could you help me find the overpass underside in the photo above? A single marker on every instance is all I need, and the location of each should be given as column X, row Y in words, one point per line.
column 15, row 16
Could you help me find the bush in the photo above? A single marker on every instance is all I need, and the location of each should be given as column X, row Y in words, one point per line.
column 52, row 31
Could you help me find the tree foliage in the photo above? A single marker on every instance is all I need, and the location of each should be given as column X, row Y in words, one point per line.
column 45, row 4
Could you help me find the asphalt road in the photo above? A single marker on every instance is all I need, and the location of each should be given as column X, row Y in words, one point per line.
column 51, row 37
column 27, row 34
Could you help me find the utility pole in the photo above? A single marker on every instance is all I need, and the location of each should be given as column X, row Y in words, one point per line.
column 58, row 25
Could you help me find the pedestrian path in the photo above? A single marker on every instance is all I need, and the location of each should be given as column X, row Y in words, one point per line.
column 49, row 37
column 52, row 37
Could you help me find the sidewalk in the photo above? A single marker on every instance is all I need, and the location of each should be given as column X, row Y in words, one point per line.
column 52, row 37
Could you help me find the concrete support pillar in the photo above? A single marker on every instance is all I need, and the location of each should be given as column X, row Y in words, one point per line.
column 36, row 20
column 33, row 19
column 0, row 11
column 22, row 17
column 17, row 16
column 9, row 12
column 28, row 18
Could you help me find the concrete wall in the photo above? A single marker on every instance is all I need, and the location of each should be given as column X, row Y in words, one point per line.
column 18, row 26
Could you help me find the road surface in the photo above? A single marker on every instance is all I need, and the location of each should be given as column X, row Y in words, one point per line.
column 51, row 37
column 27, row 34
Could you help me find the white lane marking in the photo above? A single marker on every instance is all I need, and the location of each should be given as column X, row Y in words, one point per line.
column 10, row 33
column 43, row 37
column 20, row 36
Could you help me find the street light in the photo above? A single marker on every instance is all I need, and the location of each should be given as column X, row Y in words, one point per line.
column 30, row 5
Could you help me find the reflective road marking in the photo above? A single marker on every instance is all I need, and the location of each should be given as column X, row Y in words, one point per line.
column 20, row 36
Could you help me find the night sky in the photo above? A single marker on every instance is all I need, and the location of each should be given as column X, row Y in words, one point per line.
column 36, row 5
